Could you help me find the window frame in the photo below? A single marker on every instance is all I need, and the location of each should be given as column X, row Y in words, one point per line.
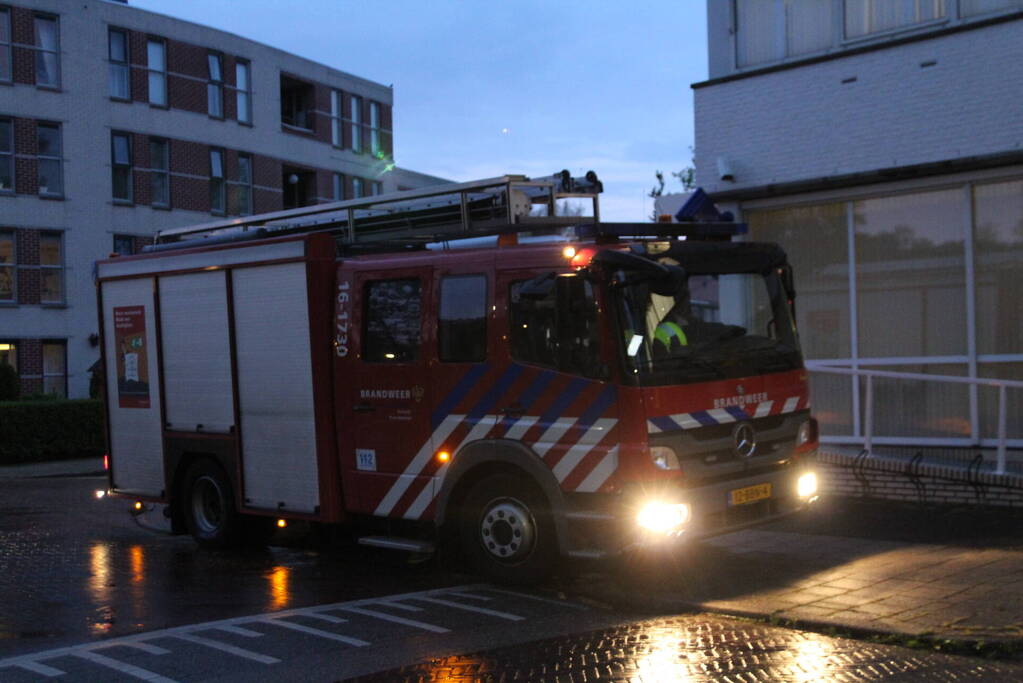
column 357, row 189
column 155, row 172
column 215, row 85
column 369, row 351
column 39, row 50
column 62, row 343
column 950, row 7
column 241, row 184
column 338, row 186
column 376, row 149
column 441, row 327
column 12, row 266
column 218, row 183
column 159, row 74
column 9, row 156
column 116, row 166
column 355, row 120
column 243, row 96
column 60, row 268
column 5, row 46
column 119, row 65
column 336, row 110
column 121, row 236
column 12, row 349
column 59, row 159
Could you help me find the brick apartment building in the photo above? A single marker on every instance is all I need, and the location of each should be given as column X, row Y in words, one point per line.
column 881, row 142
column 116, row 122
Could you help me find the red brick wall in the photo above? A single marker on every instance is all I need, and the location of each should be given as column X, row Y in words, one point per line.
column 22, row 32
column 26, row 170
column 30, row 362
column 140, row 59
column 142, row 188
column 28, row 255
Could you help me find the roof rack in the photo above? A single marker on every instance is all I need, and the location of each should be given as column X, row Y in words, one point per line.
column 510, row 203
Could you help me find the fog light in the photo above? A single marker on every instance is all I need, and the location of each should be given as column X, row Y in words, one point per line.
column 664, row 458
column 807, row 485
column 663, row 517
column 138, row 506
column 100, row 494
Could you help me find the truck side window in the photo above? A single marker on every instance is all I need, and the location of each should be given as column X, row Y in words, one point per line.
column 391, row 332
column 462, row 323
column 558, row 330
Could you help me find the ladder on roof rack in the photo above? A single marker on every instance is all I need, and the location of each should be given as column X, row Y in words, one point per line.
column 509, row 203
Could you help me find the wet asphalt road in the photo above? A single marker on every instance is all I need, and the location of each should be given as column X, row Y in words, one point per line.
column 78, row 573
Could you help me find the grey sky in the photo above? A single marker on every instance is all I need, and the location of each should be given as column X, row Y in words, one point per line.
column 487, row 88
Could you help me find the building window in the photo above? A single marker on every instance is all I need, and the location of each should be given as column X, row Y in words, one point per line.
column 47, row 51
column 51, row 265
column 8, row 274
column 865, row 17
column 117, row 48
column 124, row 245
column 375, row 187
column 335, row 117
column 217, row 199
column 771, row 30
column 9, row 354
column 156, row 51
column 356, row 124
column 297, row 103
column 55, row 368
column 159, row 172
column 339, row 184
column 356, row 188
column 243, row 92
column 392, row 328
column 243, row 188
column 120, row 162
column 51, row 179
column 6, row 155
column 374, row 129
column 462, row 321
column 970, row 8
column 5, row 44
column 215, row 87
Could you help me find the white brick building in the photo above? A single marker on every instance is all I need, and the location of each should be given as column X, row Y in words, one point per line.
column 881, row 141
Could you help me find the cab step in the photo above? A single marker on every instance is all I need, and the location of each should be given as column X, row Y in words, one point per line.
column 409, row 545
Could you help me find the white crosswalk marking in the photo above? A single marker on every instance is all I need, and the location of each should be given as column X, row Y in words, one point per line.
column 121, row 667
column 317, row 632
column 473, row 608
column 224, row 647
column 239, row 631
column 41, row 669
column 324, row 617
column 397, row 620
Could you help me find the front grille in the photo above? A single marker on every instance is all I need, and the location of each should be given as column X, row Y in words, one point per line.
column 740, row 515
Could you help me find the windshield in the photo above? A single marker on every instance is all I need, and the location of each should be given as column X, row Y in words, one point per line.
column 705, row 327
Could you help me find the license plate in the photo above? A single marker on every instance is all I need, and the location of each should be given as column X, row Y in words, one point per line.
column 749, row 494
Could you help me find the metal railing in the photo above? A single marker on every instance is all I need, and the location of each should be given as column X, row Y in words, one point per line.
column 868, row 436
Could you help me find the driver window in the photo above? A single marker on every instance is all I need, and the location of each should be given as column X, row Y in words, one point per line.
column 391, row 328
column 558, row 330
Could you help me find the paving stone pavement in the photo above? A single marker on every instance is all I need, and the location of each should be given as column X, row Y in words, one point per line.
column 701, row 648
column 944, row 591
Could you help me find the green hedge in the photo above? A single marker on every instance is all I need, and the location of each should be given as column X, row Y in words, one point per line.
column 37, row 431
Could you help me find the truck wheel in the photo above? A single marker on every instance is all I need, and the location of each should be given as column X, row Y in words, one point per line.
column 506, row 530
column 209, row 506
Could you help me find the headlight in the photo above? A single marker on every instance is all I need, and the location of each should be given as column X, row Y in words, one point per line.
column 807, row 433
column 664, row 458
column 806, row 487
column 663, row 517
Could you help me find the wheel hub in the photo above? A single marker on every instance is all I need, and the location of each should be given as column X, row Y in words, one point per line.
column 207, row 504
column 507, row 529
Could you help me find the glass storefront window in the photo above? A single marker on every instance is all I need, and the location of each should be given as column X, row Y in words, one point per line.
column 998, row 259
column 919, row 408
column 988, row 400
column 815, row 239
column 911, row 275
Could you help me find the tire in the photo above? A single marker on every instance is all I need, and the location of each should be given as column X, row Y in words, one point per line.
column 506, row 530
column 210, row 513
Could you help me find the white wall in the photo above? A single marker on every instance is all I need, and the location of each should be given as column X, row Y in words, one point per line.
column 804, row 122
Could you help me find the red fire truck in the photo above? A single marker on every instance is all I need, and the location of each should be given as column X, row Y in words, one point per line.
column 460, row 363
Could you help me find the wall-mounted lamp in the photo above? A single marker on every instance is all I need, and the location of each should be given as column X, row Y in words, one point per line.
column 93, row 339
column 725, row 170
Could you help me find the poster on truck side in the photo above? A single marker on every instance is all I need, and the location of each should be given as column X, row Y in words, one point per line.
column 132, row 356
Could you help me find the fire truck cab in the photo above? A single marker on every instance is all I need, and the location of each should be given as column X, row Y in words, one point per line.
column 463, row 365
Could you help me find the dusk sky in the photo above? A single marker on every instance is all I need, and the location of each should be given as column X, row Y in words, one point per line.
column 487, row 88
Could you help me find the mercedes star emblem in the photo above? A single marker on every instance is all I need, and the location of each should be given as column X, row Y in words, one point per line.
column 745, row 439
